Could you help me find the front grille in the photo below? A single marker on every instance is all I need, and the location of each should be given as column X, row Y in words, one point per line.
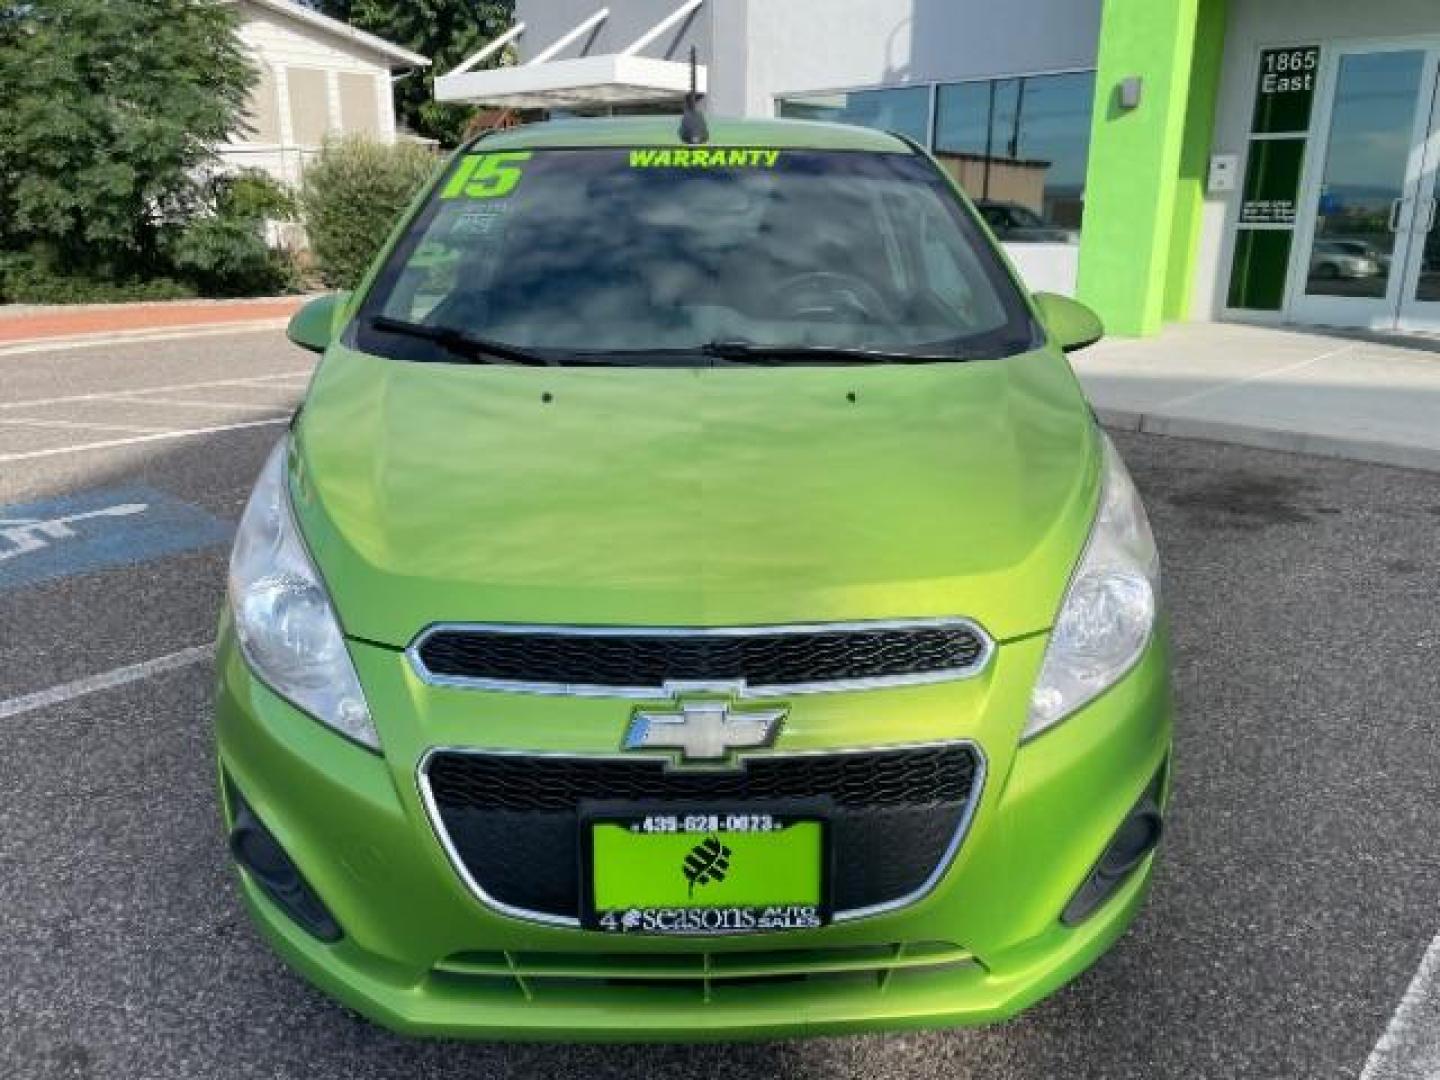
column 513, row 820
column 779, row 658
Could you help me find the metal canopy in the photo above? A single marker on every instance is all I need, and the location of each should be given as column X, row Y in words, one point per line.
column 623, row 78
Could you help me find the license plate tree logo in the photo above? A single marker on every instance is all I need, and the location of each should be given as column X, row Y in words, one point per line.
column 707, row 861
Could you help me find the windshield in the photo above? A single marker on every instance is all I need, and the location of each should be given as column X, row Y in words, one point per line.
column 565, row 253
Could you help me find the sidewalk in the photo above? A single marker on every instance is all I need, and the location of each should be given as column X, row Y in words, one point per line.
column 28, row 325
column 1305, row 391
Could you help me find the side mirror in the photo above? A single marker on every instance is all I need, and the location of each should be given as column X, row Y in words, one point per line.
column 1071, row 323
column 313, row 326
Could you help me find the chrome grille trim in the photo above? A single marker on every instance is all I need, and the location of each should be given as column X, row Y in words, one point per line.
column 669, row 688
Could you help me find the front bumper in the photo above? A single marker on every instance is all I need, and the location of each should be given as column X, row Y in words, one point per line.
column 421, row 955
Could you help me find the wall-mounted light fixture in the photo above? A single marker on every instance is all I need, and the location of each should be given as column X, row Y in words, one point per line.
column 1129, row 91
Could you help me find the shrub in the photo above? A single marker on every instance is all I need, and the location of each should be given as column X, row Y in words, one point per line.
column 43, row 288
column 227, row 256
column 253, row 195
column 221, row 250
column 224, row 252
column 31, row 278
column 352, row 194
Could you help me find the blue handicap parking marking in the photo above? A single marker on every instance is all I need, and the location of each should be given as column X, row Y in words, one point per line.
column 97, row 530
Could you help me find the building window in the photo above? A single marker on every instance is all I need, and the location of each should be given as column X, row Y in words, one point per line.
column 359, row 109
column 903, row 109
column 309, row 105
column 1020, row 147
column 262, row 111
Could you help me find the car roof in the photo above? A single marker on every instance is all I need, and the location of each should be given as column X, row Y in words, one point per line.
column 627, row 131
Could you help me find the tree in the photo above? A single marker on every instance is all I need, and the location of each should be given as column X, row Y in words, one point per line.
column 111, row 109
column 447, row 31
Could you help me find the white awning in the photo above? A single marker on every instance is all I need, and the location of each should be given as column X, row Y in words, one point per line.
column 623, row 78
column 567, row 84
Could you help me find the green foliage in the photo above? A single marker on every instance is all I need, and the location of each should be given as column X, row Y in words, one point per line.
column 447, row 31
column 220, row 251
column 254, row 196
column 31, row 278
column 228, row 257
column 111, row 107
column 353, row 194
column 224, row 252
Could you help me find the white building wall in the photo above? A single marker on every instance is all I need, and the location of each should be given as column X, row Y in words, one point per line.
column 281, row 44
column 1046, row 267
column 756, row 49
column 547, row 21
column 799, row 46
column 1260, row 24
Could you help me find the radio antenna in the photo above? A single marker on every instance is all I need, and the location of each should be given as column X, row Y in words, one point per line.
column 693, row 128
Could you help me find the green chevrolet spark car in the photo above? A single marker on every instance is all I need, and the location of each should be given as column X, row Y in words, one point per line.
column 693, row 601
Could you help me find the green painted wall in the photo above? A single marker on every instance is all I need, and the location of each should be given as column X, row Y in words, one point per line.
column 1145, row 185
column 1206, row 62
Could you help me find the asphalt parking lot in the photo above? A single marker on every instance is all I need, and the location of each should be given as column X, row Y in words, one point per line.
column 1295, row 899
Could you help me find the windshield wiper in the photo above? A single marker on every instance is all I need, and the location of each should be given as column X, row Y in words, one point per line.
column 734, row 351
column 750, row 353
column 459, row 341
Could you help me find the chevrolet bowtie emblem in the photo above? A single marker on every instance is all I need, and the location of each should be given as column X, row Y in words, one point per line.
column 705, row 730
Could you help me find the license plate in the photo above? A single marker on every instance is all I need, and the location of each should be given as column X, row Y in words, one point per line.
column 705, row 871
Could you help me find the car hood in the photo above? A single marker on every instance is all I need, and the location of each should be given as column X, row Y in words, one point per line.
column 693, row 497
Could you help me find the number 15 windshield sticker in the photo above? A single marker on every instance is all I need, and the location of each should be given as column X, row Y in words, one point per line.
column 487, row 176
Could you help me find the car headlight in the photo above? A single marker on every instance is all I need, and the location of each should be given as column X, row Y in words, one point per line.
column 287, row 629
column 1109, row 609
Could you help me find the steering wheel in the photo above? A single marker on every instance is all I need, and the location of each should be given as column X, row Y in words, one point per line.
column 828, row 294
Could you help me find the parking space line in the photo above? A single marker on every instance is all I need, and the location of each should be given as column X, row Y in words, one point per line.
column 253, row 406
column 109, row 444
column 1410, row 1047
column 108, row 395
column 69, row 691
column 273, row 376
column 27, row 421
column 182, row 403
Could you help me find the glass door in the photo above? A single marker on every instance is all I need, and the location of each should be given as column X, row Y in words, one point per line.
column 1420, row 294
column 1363, row 205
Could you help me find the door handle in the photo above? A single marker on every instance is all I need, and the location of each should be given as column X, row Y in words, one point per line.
column 1430, row 219
column 1396, row 206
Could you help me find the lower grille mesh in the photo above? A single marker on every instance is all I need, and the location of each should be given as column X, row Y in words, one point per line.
column 513, row 820
column 535, row 974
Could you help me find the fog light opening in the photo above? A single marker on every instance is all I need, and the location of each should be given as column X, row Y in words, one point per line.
column 1139, row 834
column 271, row 868
column 1136, row 839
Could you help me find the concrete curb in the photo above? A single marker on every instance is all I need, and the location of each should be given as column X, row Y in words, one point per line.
column 21, row 311
column 1118, row 419
column 78, row 324
column 1285, row 440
